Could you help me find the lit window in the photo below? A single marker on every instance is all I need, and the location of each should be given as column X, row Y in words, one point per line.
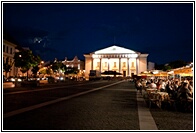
column 97, row 64
column 114, row 64
column 78, row 66
column 132, row 64
column 124, row 64
column 106, row 64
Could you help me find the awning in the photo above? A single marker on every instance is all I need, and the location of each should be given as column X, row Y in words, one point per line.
column 161, row 74
column 183, row 71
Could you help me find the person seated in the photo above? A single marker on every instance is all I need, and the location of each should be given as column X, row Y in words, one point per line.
column 184, row 92
column 153, row 85
column 169, row 88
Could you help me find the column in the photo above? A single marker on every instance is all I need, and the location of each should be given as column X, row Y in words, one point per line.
column 108, row 64
column 128, row 67
column 119, row 65
column 100, row 64
column 137, row 66
column 92, row 64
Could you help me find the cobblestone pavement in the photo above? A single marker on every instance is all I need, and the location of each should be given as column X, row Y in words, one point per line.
column 111, row 108
column 172, row 120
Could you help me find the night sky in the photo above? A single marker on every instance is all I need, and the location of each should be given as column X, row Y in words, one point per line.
column 163, row 30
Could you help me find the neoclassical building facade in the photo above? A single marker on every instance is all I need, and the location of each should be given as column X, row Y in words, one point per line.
column 115, row 58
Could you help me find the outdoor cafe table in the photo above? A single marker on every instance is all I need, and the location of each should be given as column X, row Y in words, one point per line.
column 151, row 90
column 159, row 97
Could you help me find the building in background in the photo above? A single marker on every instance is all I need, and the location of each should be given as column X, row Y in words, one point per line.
column 75, row 62
column 9, row 50
column 115, row 58
column 151, row 66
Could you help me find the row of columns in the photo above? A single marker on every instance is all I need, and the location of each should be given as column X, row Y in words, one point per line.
column 128, row 66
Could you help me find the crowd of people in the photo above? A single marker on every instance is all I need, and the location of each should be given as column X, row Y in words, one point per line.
column 174, row 87
column 177, row 89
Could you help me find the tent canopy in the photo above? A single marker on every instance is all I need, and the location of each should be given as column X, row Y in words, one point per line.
column 183, row 70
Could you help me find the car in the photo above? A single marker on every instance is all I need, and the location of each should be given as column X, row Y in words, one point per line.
column 51, row 79
column 13, row 79
column 59, row 79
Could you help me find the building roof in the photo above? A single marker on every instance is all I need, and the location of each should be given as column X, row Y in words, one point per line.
column 115, row 50
column 9, row 43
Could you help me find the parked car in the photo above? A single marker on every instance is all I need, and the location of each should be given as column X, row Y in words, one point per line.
column 51, row 79
column 59, row 79
column 13, row 79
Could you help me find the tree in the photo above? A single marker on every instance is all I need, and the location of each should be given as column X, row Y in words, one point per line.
column 7, row 66
column 57, row 66
column 166, row 68
column 35, row 70
column 26, row 60
column 171, row 65
column 46, row 71
column 71, row 70
column 177, row 64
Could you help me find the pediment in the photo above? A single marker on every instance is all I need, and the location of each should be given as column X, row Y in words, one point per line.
column 115, row 50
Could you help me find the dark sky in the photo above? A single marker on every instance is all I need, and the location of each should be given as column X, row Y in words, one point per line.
column 163, row 30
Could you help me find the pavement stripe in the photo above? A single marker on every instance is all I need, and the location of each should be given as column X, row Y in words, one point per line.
column 19, row 111
column 26, row 91
column 146, row 120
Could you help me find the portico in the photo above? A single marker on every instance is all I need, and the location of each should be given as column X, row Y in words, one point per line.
column 115, row 58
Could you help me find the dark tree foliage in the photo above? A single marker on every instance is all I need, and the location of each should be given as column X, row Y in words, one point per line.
column 171, row 65
column 71, row 70
column 25, row 60
column 177, row 64
column 35, row 70
column 56, row 66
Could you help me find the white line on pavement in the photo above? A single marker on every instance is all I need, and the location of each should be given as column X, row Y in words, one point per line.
column 19, row 111
column 26, row 91
column 146, row 120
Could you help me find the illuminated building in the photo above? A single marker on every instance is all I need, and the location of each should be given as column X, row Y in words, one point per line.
column 74, row 63
column 115, row 58
column 9, row 50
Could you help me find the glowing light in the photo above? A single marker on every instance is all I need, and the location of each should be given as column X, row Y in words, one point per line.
column 12, row 79
column 19, row 80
